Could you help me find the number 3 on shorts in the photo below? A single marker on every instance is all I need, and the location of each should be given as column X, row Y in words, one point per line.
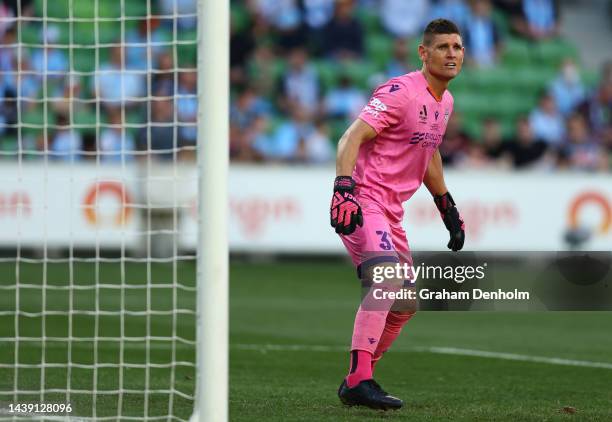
column 385, row 241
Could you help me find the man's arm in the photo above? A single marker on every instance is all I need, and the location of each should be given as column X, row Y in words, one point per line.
column 345, row 211
column 434, row 176
column 348, row 146
column 434, row 181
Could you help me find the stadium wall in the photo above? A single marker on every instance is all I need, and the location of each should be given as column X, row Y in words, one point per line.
column 276, row 209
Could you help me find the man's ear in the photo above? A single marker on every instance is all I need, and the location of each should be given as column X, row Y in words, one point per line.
column 422, row 52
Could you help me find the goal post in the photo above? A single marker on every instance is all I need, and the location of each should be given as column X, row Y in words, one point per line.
column 213, row 157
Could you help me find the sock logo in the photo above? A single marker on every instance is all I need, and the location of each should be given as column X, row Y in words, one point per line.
column 372, row 340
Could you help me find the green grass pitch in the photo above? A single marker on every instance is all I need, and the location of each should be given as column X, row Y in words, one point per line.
column 290, row 322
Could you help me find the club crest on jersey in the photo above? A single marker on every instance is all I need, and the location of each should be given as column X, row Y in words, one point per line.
column 446, row 115
column 423, row 114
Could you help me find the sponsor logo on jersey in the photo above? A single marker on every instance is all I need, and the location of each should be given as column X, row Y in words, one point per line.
column 436, row 114
column 423, row 115
column 394, row 87
column 426, row 139
column 374, row 107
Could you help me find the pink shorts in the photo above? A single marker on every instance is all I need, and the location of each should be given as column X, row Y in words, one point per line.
column 377, row 238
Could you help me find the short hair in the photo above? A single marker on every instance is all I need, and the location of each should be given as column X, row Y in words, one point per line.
column 439, row 26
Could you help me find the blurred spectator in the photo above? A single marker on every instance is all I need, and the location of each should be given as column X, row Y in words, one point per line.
column 456, row 140
column 511, row 8
column 114, row 86
column 68, row 103
column 6, row 13
column 344, row 100
column 116, row 144
column 181, row 7
column 492, row 140
column 284, row 144
column 24, row 8
column 66, row 143
column 247, row 107
column 262, row 71
column 187, row 107
column 163, row 84
column 404, row 18
column 137, row 53
column 285, row 17
column 581, row 151
column 13, row 84
column 398, row 65
column 50, row 62
column 481, row 35
column 525, row 149
column 30, row 85
column 318, row 13
column 539, row 19
column 343, row 35
column 546, row 122
column 242, row 143
column 300, row 83
column 242, row 45
column 598, row 107
column 158, row 138
column 475, row 157
column 454, row 10
column 567, row 89
column 316, row 147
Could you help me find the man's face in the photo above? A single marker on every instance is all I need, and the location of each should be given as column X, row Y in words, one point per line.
column 444, row 56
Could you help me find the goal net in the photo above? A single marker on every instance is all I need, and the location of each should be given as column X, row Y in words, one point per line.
column 97, row 209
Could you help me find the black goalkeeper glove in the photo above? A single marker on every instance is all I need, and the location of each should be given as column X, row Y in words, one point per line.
column 345, row 211
column 452, row 220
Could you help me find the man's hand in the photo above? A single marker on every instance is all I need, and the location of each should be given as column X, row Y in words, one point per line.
column 345, row 212
column 452, row 220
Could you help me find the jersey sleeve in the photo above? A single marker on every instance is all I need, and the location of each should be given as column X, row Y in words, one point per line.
column 384, row 108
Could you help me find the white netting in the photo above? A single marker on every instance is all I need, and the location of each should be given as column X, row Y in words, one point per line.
column 97, row 209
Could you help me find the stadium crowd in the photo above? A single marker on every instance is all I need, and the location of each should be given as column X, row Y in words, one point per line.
column 287, row 107
column 300, row 71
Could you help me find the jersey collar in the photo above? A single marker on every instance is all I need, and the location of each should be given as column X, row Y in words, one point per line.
column 431, row 92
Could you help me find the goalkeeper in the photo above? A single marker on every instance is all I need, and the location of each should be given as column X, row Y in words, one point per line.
column 383, row 158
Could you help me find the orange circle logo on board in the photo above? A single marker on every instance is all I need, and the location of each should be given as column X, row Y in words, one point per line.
column 591, row 198
column 107, row 189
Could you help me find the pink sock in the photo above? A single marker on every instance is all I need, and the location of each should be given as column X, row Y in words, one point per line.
column 368, row 328
column 393, row 326
column 361, row 367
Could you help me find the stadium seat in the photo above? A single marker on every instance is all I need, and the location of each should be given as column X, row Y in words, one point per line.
column 360, row 72
column 378, row 49
column 516, row 53
column 9, row 144
column 240, row 17
column 54, row 9
column 551, row 53
column 328, row 73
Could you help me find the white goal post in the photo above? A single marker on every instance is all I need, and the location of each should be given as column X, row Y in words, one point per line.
column 213, row 129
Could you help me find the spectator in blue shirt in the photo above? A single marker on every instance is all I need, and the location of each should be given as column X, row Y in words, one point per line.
column 481, row 36
column 567, row 89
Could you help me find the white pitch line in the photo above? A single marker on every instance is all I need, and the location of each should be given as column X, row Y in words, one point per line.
column 517, row 357
column 438, row 350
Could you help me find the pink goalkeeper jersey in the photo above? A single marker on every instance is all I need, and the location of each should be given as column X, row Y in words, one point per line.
column 410, row 123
